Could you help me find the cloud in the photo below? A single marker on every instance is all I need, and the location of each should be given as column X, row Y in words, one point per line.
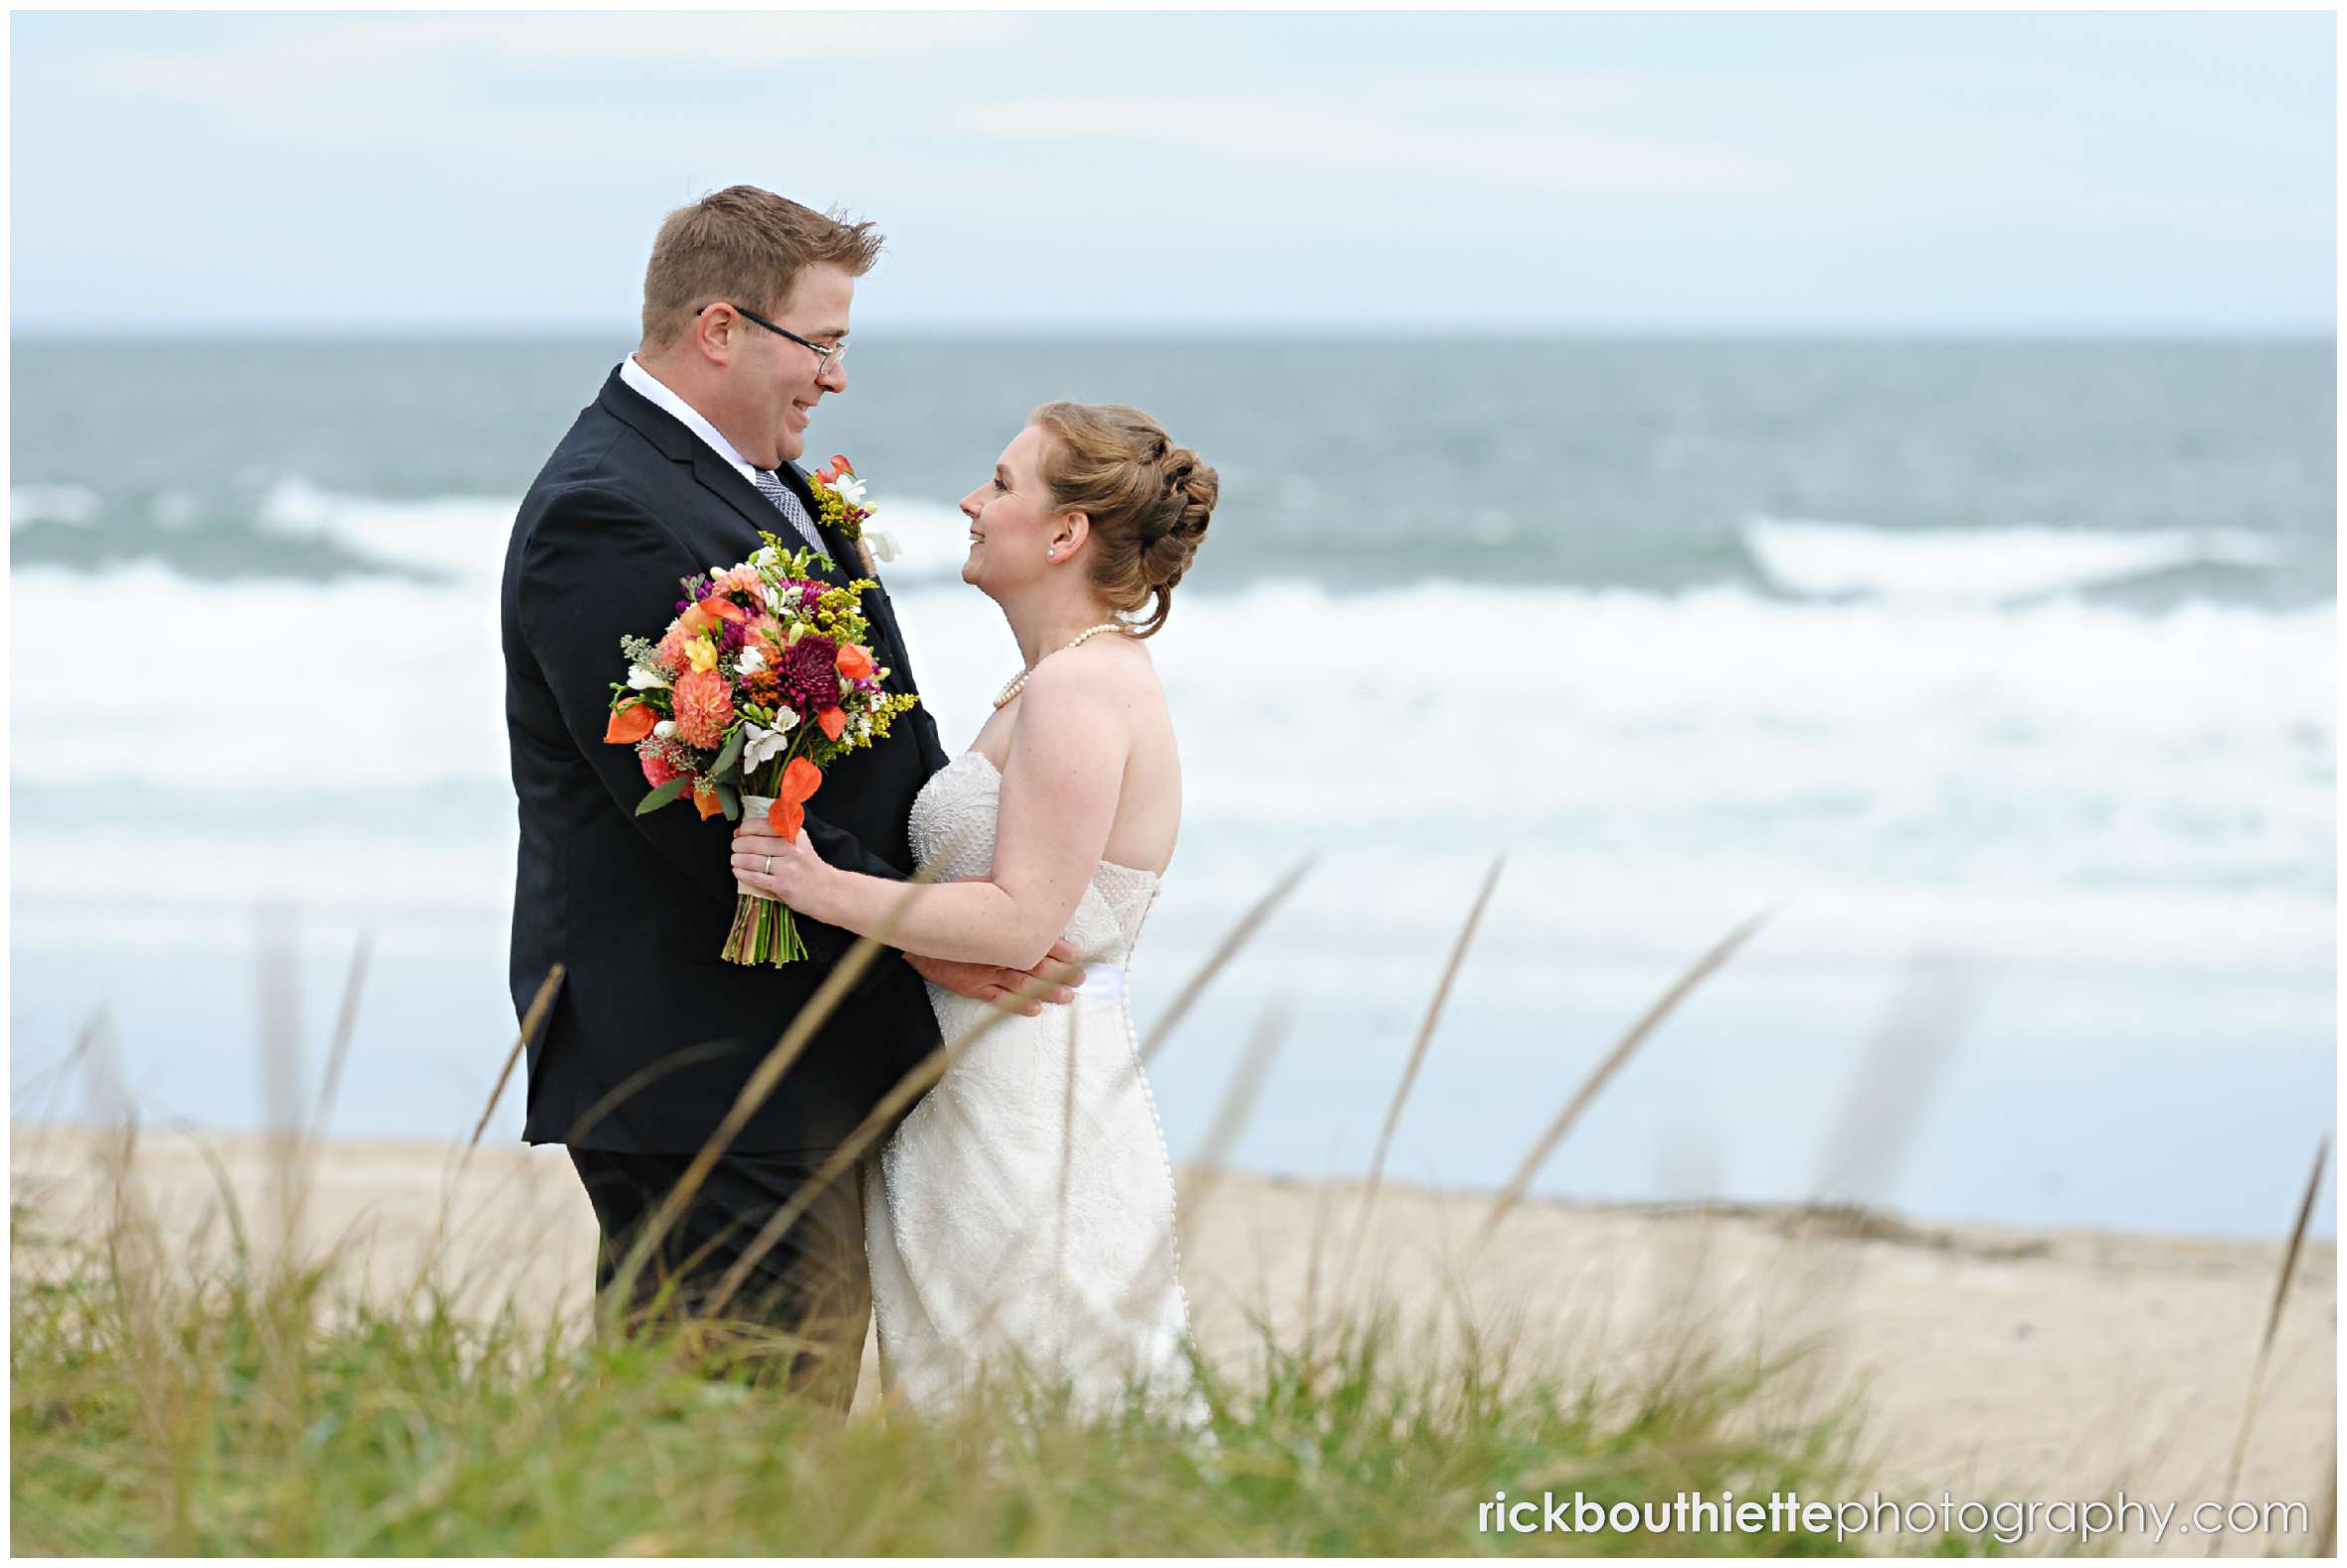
column 398, row 79
column 1144, row 166
column 647, row 91
column 731, row 38
column 719, row 40
column 1458, row 135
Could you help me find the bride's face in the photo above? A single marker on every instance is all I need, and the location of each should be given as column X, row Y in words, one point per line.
column 1011, row 520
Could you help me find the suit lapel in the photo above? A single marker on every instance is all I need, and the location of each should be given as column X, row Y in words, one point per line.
column 719, row 479
column 709, row 530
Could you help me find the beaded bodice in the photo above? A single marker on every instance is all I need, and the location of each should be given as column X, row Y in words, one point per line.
column 953, row 833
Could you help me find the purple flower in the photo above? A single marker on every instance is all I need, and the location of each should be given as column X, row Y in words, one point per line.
column 806, row 674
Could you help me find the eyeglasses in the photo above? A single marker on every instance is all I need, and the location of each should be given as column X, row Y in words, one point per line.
column 824, row 358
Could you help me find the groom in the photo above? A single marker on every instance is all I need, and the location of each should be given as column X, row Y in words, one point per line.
column 685, row 454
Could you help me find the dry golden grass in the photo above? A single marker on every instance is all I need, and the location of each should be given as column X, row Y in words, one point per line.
column 264, row 1361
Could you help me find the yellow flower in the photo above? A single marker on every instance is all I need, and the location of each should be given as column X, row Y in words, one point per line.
column 701, row 654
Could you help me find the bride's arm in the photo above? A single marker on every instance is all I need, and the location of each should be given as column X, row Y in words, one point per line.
column 1059, row 798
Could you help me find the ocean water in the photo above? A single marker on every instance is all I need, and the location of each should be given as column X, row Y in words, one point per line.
column 2003, row 674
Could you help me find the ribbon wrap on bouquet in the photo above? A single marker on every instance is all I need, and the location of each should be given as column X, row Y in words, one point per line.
column 764, row 930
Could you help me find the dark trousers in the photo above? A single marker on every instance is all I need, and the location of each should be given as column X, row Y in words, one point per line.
column 799, row 1313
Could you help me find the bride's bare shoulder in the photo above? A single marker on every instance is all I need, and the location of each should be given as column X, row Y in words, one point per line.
column 1112, row 670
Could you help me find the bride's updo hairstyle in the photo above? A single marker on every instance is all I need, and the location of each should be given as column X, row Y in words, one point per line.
column 1148, row 500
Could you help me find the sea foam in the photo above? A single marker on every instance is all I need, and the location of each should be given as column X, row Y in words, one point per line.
column 2089, row 782
column 1982, row 565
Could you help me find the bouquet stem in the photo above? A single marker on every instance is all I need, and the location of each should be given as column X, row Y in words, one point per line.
column 764, row 930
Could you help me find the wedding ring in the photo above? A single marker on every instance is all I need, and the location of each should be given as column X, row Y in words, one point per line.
column 770, row 865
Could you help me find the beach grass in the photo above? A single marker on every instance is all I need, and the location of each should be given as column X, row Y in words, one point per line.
column 163, row 1406
column 173, row 1397
column 236, row 1388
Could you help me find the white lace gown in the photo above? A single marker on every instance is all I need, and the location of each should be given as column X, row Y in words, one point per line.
column 1022, row 1214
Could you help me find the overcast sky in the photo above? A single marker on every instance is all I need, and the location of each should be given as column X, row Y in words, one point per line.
column 1305, row 172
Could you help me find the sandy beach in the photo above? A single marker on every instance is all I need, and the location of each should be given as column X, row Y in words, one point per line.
column 1993, row 1363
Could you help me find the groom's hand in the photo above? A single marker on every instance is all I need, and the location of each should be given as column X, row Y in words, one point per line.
column 989, row 982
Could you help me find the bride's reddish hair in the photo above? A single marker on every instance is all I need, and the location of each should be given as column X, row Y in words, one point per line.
column 1148, row 500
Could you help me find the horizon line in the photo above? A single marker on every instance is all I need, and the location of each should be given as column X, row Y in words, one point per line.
column 1236, row 332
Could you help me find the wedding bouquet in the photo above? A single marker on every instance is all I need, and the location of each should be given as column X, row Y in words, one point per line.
column 764, row 678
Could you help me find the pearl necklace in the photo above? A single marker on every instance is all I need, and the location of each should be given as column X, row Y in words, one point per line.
column 1019, row 680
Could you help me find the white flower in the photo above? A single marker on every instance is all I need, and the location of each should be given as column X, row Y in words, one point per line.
column 752, row 661
column 765, row 743
column 665, row 729
column 641, row 679
column 884, row 544
column 849, row 488
column 767, row 558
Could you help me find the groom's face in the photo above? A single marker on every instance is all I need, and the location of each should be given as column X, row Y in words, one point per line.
column 782, row 380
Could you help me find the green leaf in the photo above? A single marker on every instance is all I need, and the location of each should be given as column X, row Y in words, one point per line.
column 730, row 798
column 731, row 753
column 662, row 796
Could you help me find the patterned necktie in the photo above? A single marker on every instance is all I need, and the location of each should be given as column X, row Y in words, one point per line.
column 786, row 502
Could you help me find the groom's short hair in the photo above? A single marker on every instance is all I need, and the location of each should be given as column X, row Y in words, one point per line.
column 747, row 246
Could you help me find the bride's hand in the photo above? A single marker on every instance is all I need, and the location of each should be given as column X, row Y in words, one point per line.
column 787, row 869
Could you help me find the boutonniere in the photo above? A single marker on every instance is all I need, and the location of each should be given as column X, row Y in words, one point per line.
column 840, row 494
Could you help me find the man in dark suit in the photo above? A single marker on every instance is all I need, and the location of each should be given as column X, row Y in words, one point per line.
column 684, row 456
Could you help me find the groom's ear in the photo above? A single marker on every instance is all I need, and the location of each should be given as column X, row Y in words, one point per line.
column 715, row 332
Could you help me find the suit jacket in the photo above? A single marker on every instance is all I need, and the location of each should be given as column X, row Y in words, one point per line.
column 654, row 1035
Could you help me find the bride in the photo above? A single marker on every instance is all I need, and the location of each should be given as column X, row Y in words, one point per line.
column 1022, row 1213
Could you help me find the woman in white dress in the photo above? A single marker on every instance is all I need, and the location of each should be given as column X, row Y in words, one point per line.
column 1022, row 1214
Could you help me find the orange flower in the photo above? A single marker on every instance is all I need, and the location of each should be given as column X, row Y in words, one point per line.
column 631, row 723
column 788, row 811
column 855, row 663
column 722, row 608
column 705, row 800
column 694, row 621
column 833, row 722
column 704, row 708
